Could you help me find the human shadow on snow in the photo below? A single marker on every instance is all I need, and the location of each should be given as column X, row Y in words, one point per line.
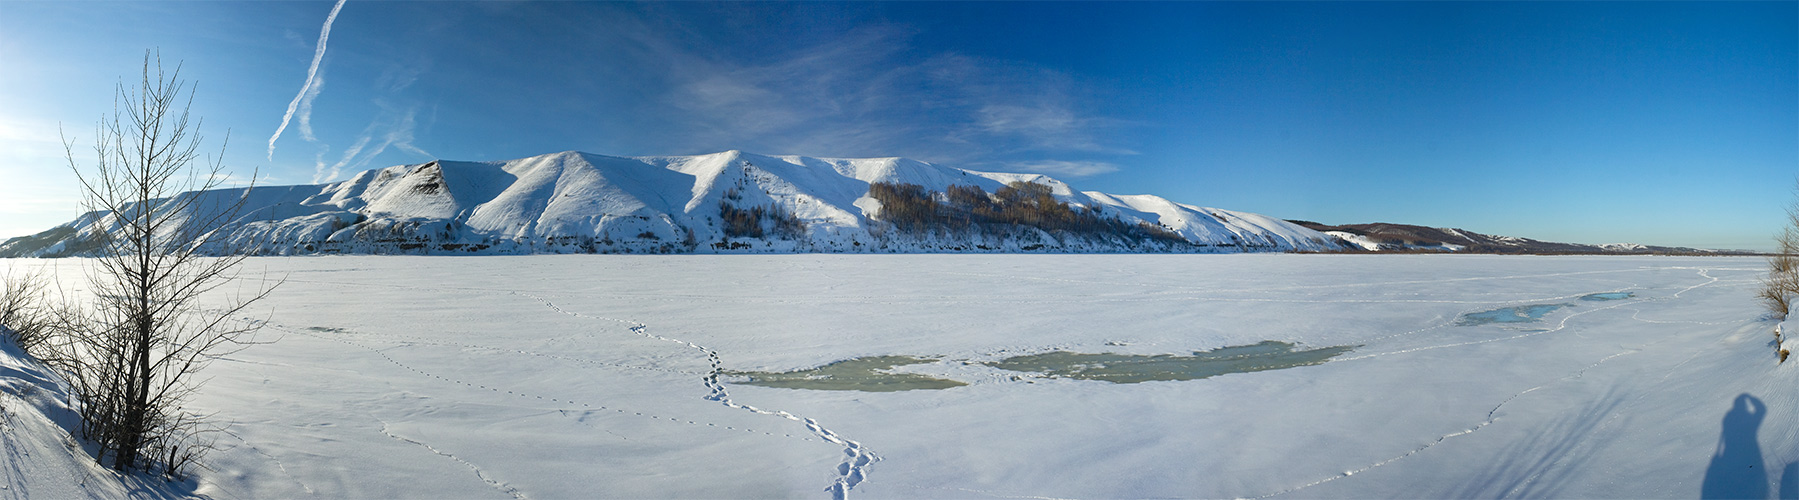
column 1789, row 482
column 1737, row 470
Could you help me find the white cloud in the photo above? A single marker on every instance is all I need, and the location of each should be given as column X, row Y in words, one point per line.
column 1064, row 168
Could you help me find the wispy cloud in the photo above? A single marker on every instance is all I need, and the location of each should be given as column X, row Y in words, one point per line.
column 38, row 191
column 1049, row 126
column 1020, row 108
column 312, row 92
column 393, row 128
column 867, row 92
column 1064, row 168
column 397, row 77
column 830, row 96
column 29, row 139
column 303, row 101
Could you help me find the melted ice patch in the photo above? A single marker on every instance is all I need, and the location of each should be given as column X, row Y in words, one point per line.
column 868, row 374
column 1517, row 314
column 1134, row 368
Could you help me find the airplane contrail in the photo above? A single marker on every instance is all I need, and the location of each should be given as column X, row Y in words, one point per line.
column 309, row 90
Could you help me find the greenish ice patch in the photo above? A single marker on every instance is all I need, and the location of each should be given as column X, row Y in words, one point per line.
column 868, row 374
column 1134, row 368
column 1518, row 314
column 1607, row 296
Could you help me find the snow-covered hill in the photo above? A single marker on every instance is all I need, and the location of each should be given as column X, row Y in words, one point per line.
column 1388, row 237
column 728, row 202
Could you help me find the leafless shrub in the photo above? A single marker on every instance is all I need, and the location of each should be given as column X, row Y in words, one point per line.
column 1774, row 296
column 1781, row 286
column 24, row 311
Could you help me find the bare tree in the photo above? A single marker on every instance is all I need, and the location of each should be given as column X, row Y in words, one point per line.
column 1781, row 287
column 130, row 354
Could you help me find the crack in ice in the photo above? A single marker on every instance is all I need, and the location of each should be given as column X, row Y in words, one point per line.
column 1492, row 416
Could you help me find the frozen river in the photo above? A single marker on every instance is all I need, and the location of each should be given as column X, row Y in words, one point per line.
column 648, row 376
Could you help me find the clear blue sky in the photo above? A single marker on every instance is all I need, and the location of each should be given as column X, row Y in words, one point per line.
column 1594, row 122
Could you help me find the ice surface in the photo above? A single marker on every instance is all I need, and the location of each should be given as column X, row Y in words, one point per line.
column 596, row 376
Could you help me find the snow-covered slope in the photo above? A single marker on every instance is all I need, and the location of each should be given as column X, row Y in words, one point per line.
column 40, row 459
column 574, row 202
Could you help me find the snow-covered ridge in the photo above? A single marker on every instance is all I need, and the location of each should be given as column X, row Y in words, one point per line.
column 1389, row 237
column 575, row 202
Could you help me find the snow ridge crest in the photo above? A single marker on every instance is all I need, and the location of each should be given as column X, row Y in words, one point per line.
column 728, row 202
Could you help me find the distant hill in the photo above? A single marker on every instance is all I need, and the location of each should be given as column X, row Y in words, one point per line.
column 729, row 202
column 1386, row 237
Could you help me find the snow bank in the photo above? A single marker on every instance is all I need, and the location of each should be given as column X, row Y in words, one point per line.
column 40, row 459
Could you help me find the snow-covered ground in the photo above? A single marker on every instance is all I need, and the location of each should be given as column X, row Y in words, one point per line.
column 587, row 376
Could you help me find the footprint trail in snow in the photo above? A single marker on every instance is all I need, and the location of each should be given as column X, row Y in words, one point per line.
column 857, row 458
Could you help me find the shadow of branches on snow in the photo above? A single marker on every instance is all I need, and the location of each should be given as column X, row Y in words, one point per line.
column 1541, row 465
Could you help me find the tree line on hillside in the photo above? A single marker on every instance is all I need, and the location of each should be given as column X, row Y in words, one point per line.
column 962, row 208
column 757, row 221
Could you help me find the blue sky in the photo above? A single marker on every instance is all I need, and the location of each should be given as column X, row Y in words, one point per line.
column 1594, row 122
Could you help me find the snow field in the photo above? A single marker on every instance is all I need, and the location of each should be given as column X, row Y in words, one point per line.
column 593, row 376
